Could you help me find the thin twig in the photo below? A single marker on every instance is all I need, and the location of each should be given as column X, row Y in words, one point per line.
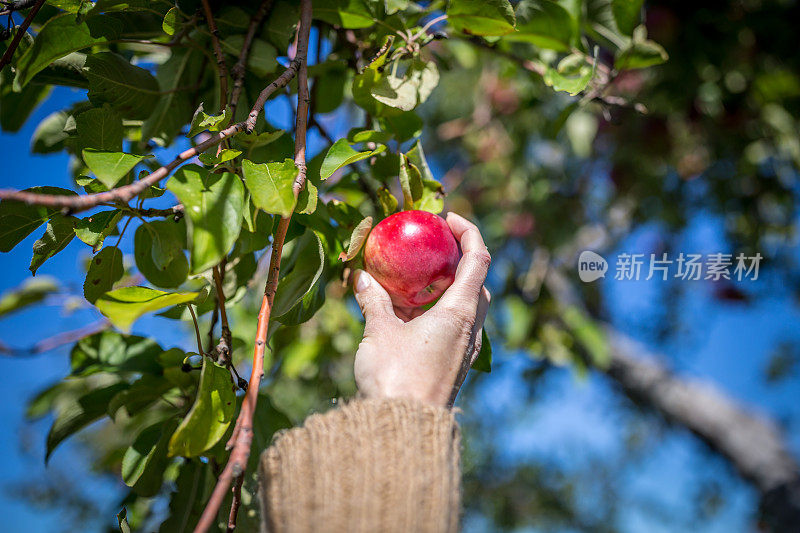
column 237, row 501
column 196, row 329
column 224, row 346
column 240, row 67
column 6, row 59
column 222, row 69
column 243, row 431
column 282, row 81
column 58, row 340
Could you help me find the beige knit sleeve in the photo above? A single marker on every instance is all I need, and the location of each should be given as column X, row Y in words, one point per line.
column 371, row 465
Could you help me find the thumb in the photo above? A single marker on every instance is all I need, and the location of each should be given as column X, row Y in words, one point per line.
column 374, row 301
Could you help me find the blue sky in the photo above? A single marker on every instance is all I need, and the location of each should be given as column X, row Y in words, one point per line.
column 575, row 422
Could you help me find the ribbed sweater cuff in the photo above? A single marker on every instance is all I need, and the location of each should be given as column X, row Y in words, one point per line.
column 371, row 465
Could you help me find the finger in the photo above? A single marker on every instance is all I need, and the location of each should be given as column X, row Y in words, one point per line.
column 483, row 309
column 465, row 291
column 374, row 301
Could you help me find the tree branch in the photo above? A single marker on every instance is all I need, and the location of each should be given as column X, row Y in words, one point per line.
column 282, row 81
column 224, row 346
column 240, row 67
column 222, row 69
column 242, row 437
column 76, row 204
column 12, row 47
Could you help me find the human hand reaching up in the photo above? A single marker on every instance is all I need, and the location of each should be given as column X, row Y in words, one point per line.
column 425, row 354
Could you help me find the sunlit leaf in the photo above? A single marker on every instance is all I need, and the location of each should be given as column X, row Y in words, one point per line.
column 124, row 306
column 209, row 417
column 481, row 17
column 95, row 228
column 270, row 185
column 213, row 205
column 341, row 154
column 357, row 239
column 110, row 167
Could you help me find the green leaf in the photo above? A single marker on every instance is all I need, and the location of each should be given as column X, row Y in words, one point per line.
column 404, row 126
column 110, row 167
column 123, row 306
column 59, row 231
column 543, row 23
column 209, row 417
column 416, row 156
column 132, row 91
column 202, row 121
column 95, row 228
column 570, row 84
column 171, row 21
column 50, row 135
column 211, row 158
column 357, row 239
column 74, row 415
column 626, row 14
column 122, row 519
column 18, row 219
column 483, row 363
column 142, row 393
column 213, row 204
column 105, row 269
column 262, row 57
column 387, row 200
column 300, row 291
column 432, row 199
column 270, row 185
column 408, row 91
column 640, row 54
column 15, row 108
column 307, row 199
column 256, row 140
column 410, row 183
column 111, row 352
column 341, row 154
column 61, row 35
column 174, row 107
column 481, row 17
column 352, row 14
column 368, row 78
column 193, row 488
column 146, row 459
column 100, row 129
column 158, row 251
column 357, row 135
column 30, row 292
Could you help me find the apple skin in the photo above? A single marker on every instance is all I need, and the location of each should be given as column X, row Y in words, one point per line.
column 413, row 255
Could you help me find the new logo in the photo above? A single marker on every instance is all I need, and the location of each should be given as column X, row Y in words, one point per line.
column 591, row 266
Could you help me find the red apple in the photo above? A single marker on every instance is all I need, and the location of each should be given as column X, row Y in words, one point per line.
column 413, row 255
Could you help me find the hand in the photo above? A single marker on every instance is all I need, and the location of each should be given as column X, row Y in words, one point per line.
column 419, row 354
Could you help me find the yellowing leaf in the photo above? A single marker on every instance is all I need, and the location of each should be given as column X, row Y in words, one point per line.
column 124, row 306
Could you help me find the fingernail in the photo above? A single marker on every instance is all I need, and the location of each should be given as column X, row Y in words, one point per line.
column 362, row 281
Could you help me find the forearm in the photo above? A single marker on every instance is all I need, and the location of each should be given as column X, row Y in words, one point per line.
column 372, row 465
